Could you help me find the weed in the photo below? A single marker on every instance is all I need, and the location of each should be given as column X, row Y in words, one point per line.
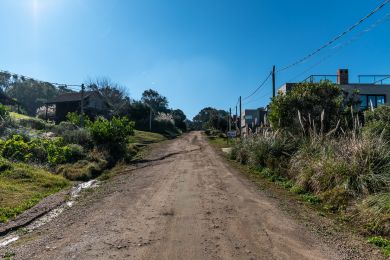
column 381, row 242
column 8, row 255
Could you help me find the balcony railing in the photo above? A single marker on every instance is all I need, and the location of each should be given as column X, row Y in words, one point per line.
column 319, row 78
column 374, row 79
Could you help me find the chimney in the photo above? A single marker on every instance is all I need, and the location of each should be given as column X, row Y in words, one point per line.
column 342, row 77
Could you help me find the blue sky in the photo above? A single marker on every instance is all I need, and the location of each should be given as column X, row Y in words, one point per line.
column 197, row 53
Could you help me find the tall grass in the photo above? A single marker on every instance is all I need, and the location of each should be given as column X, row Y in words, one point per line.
column 346, row 169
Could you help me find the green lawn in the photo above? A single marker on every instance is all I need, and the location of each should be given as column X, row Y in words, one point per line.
column 142, row 137
column 221, row 142
column 23, row 186
column 17, row 116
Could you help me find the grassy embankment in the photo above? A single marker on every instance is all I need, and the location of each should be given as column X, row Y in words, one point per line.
column 334, row 177
column 23, row 185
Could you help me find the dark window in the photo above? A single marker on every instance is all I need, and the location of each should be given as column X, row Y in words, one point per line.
column 363, row 101
column 374, row 100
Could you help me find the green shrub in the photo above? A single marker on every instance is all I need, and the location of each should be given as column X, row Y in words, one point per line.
column 34, row 123
column 52, row 151
column 16, row 149
column 338, row 170
column 112, row 134
column 4, row 165
column 381, row 242
column 266, row 149
column 79, row 136
column 318, row 103
column 57, row 153
column 4, row 113
column 75, row 119
column 76, row 152
column 65, row 126
column 377, row 122
column 374, row 213
column 166, row 128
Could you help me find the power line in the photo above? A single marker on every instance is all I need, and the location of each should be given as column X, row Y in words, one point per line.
column 261, row 85
column 30, row 78
column 335, row 38
column 339, row 47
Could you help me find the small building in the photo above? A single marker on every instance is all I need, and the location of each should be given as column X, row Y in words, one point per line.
column 373, row 89
column 252, row 118
column 93, row 103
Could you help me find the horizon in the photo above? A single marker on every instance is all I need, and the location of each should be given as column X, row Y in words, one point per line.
column 197, row 54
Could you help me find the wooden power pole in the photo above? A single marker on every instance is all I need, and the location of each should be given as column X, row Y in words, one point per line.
column 82, row 106
column 240, row 115
column 273, row 82
column 230, row 119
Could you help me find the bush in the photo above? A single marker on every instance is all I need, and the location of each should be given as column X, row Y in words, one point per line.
column 267, row 149
column 112, row 135
column 76, row 152
column 81, row 171
column 4, row 165
column 65, row 126
column 318, row 103
column 75, row 119
column 16, row 149
column 34, row 123
column 80, row 136
column 57, row 153
column 377, row 122
column 52, row 151
column 4, row 113
column 166, row 128
column 339, row 170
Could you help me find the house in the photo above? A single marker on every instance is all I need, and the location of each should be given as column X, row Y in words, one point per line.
column 252, row 118
column 93, row 103
column 372, row 89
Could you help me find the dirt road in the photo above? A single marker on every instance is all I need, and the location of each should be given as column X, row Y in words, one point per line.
column 188, row 205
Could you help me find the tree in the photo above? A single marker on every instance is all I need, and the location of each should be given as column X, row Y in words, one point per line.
column 5, row 80
column 179, row 117
column 156, row 101
column 319, row 104
column 211, row 118
column 32, row 94
column 114, row 94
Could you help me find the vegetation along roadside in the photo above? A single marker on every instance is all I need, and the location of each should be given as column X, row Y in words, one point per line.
column 40, row 157
column 321, row 147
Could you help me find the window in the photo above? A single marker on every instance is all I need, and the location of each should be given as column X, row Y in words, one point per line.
column 374, row 100
column 380, row 100
column 363, row 101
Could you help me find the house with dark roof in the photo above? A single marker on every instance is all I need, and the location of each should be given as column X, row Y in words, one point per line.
column 93, row 103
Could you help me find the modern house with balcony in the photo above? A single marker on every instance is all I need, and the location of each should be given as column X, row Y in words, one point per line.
column 373, row 89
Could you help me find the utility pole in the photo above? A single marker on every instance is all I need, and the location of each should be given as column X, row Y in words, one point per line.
column 230, row 119
column 150, row 118
column 235, row 121
column 273, row 82
column 82, row 106
column 239, row 123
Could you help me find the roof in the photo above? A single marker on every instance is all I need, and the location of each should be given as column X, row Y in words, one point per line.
column 71, row 97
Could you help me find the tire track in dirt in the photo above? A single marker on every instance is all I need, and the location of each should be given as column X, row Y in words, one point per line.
column 183, row 202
